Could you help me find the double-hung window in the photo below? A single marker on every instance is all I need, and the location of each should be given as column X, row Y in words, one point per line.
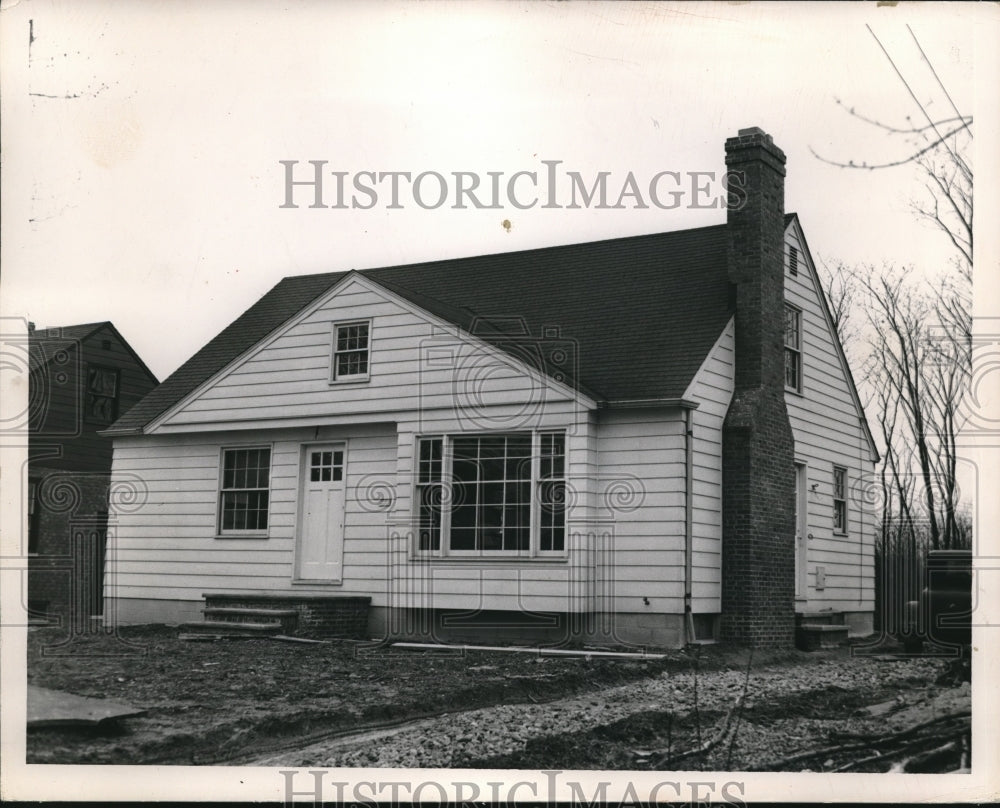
column 839, row 500
column 351, row 351
column 245, row 491
column 430, row 493
column 492, row 494
column 101, row 395
column 793, row 349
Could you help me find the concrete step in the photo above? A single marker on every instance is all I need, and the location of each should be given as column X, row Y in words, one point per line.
column 829, row 618
column 225, row 627
column 817, row 636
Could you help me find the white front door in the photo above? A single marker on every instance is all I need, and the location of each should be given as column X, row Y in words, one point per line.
column 801, row 531
column 320, row 555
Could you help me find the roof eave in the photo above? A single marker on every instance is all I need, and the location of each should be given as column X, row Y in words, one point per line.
column 635, row 403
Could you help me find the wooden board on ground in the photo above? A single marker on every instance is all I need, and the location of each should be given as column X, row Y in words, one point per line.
column 55, row 708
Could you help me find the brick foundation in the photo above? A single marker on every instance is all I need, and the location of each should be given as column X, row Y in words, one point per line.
column 318, row 615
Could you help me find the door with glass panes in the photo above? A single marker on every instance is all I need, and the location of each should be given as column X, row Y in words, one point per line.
column 320, row 553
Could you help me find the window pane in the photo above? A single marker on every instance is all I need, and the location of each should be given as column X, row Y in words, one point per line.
column 465, row 471
column 791, row 328
column 430, row 517
column 463, row 538
column 792, row 369
column 466, row 448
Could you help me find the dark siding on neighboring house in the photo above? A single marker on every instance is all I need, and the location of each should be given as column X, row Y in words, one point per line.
column 69, row 467
column 60, row 397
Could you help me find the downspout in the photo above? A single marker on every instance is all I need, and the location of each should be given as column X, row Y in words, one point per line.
column 688, row 521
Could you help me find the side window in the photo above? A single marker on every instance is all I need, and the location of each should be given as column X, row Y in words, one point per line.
column 839, row 500
column 793, row 349
column 430, row 492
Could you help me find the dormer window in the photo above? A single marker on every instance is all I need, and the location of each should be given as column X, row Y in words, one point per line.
column 351, row 351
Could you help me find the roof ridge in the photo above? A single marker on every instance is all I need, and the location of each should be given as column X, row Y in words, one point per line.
column 515, row 253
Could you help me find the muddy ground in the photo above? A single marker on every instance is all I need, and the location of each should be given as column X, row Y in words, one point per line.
column 266, row 702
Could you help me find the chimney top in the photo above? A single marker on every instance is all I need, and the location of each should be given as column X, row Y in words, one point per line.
column 753, row 144
column 31, row 327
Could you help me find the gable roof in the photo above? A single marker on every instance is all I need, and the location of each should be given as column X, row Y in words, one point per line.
column 69, row 333
column 39, row 357
column 642, row 312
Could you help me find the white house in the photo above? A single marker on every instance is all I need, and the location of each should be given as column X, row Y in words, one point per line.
column 648, row 440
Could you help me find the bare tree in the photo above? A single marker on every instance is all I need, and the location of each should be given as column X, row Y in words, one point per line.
column 938, row 148
column 917, row 355
column 917, row 367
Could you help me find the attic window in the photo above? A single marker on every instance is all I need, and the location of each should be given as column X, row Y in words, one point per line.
column 351, row 351
column 793, row 261
column 793, row 349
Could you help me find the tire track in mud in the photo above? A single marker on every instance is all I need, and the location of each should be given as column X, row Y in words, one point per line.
column 459, row 739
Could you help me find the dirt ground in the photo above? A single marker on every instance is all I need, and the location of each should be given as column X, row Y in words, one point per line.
column 208, row 702
column 236, row 701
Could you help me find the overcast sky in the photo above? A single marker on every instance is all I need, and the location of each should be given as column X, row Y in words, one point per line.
column 143, row 140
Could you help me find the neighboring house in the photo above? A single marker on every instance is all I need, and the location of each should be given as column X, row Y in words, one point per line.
column 652, row 440
column 83, row 377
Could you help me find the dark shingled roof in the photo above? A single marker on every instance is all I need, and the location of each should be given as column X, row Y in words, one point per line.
column 59, row 336
column 642, row 312
column 45, row 343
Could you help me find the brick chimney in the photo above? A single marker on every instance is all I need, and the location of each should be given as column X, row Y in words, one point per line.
column 758, row 507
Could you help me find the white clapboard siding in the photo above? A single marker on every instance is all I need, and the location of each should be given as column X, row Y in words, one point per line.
column 828, row 432
column 712, row 388
column 416, row 364
column 640, row 492
column 165, row 546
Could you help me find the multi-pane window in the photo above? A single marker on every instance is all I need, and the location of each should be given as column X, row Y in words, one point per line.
column 839, row 500
column 552, row 492
column 476, row 492
column 491, row 493
column 325, row 466
column 793, row 349
column 430, row 493
column 243, row 500
column 101, row 401
column 350, row 351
